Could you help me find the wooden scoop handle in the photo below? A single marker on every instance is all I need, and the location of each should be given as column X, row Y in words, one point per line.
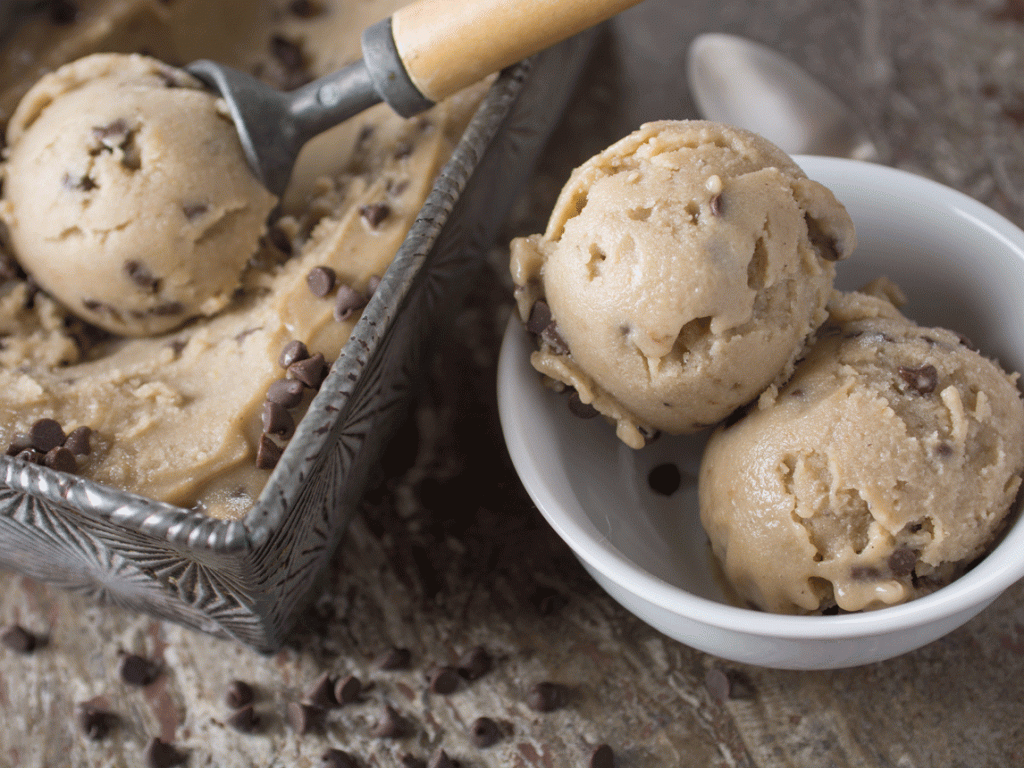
column 449, row 44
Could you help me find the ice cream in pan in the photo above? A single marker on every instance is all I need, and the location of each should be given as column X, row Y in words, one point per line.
column 685, row 277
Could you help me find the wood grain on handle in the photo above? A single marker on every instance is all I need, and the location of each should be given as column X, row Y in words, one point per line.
column 449, row 44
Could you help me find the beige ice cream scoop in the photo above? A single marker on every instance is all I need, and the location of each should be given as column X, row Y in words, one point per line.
column 126, row 194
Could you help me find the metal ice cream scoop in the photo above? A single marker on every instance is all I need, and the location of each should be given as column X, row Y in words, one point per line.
column 421, row 54
column 735, row 80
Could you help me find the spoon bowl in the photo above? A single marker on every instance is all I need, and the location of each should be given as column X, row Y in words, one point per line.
column 961, row 264
column 738, row 81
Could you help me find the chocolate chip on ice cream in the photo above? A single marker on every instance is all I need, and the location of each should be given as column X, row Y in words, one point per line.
column 546, row 696
column 239, row 694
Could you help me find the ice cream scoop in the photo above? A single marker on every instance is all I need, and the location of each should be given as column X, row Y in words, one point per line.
column 423, row 53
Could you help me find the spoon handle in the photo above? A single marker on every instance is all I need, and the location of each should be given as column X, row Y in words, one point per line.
column 446, row 45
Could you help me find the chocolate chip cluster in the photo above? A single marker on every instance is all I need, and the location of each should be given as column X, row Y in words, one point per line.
column 303, row 371
column 47, row 444
column 323, row 280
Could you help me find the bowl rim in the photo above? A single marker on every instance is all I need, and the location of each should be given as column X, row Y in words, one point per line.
column 979, row 586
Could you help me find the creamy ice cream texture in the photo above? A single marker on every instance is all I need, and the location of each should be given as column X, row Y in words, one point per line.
column 680, row 273
column 127, row 196
column 879, row 472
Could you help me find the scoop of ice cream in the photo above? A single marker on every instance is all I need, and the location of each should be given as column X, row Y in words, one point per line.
column 127, row 196
column 881, row 471
column 680, row 273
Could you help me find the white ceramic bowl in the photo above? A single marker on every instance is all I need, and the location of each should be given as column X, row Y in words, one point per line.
column 962, row 267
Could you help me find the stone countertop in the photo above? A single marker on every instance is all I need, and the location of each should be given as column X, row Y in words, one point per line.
column 449, row 553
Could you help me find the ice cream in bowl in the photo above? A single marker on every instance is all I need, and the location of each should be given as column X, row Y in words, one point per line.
column 861, row 499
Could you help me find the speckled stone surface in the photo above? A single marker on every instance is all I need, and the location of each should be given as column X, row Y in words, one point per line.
column 449, row 553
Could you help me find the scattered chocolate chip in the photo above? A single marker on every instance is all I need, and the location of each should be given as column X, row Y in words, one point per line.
column 94, row 721
column 372, row 284
column 347, row 302
column 292, row 352
column 73, row 182
column 19, row 639
column 78, row 441
column 286, row 392
column 312, row 371
column 664, row 479
column 336, row 758
column 440, row 759
column 475, row 663
column 267, row 453
column 321, row 692
column 444, row 680
column 20, row 442
column 945, row 450
column 348, row 690
column 602, row 757
column 394, row 658
column 303, row 717
column 140, row 275
column 194, row 211
column 546, row 697
column 239, row 694
column 540, row 317
column 580, row 409
column 306, row 9
column 161, row 754
column 113, row 135
column 244, row 719
column 321, row 281
column 63, row 12
column 277, row 420
column 484, row 732
column 727, row 684
column 390, row 724
column 60, row 459
column 717, row 205
column 137, row 670
column 375, row 213
column 902, row 561
column 923, row 379
column 46, row 434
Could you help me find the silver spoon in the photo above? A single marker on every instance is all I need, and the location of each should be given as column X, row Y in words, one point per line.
column 735, row 80
column 423, row 53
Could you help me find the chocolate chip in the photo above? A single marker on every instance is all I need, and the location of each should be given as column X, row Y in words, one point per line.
column 444, row 680
column 161, row 754
column 717, row 205
column 348, row 690
column 137, row 670
column 375, row 213
column 304, row 718
column 239, row 694
column 664, row 479
column 194, row 211
column 902, row 561
column 440, row 759
column 336, row 758
column 292, row 352
column 72, row 182
column 94, row 721
column 347, row 302
column 321, row 281
column 484, row 732
column 244, row 719
column 306, row 9
column 475, row 663
column 140, row 275
column 945, row 450
column 546, row 697
column 287, row 52
column 20, row 442
column 46, row 434
column 602, row 757
column 60, row 459
column 390, row 724
column 580, row 409
column 19, row 639
column 63, row 12
column 923, row 379
column 321, row 692
column 277, row 420
column 394, row 658
column 113, row 135
column 372, row 284
column 540, row 317
column 286, row 392
column 312, row 371
column 78, row 441
column 267, row 453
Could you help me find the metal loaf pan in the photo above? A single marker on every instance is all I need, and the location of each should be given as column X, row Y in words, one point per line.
column 247, row 579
